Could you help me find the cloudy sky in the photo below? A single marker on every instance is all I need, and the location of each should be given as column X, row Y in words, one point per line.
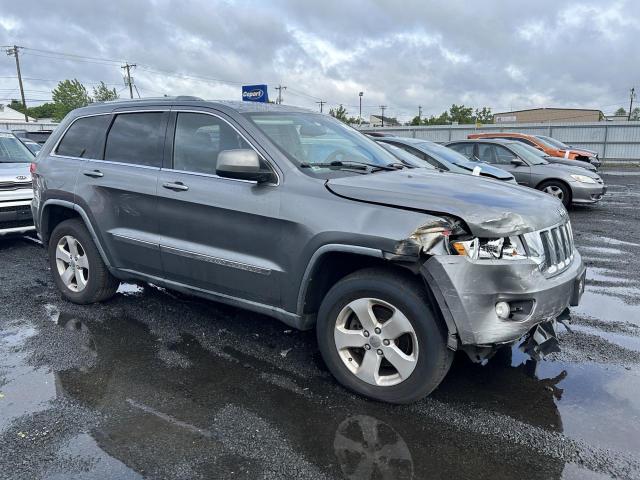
column 501, row 54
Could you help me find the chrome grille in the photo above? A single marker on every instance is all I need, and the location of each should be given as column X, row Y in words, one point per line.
column 557, row 243
column 8, row 186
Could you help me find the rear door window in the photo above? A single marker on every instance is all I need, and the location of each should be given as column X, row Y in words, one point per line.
column 85, row 138
column 136, row 139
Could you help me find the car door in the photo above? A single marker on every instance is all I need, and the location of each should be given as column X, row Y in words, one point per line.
column 216, row 234
column 118, row 190
column 502, row 157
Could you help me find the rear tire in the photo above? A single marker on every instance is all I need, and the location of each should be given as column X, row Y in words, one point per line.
column 76, row 265
column 557, row 189
column 388, row 303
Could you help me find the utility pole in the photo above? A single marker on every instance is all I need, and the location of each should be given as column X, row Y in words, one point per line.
column 360, row 114
column 321, row 103
column 280, row 88
column 383, row 108
column 632, row 97
column 128, row 81
column 419, row 114
column 14, row 52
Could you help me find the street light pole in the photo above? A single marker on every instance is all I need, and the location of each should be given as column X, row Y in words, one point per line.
column 360, row 114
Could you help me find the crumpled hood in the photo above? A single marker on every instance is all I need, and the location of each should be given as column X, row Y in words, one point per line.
column 9, row 172
column 490, row 208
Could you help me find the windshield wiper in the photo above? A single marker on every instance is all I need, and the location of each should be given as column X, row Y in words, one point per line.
column 351, row 164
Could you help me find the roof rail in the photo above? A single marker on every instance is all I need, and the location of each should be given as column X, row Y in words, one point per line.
column 188, row 97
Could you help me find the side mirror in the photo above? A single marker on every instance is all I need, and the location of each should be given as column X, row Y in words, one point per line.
column 242, row 164
column 517, row 162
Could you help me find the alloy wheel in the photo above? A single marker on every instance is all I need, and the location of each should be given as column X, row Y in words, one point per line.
column 376, row 342
column 72, row 263
column 555, row 191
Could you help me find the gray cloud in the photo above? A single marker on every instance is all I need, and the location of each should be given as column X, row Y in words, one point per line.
column 402, row 54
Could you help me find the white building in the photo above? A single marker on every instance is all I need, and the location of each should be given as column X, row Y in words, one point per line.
column 9, row 115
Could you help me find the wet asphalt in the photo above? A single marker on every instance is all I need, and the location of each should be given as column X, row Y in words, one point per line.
column 153, row 384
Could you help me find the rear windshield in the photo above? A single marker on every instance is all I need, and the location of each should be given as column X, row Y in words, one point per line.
column 13, row 150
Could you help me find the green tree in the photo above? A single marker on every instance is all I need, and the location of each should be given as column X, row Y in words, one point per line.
column 484, row 115
column 67, row 96
column 102, row 93
column 461, row 114
column 416, row 121
column 443, row 119
column 46, row 110
column 620, row 112
column 635, row 114
column 340, row 113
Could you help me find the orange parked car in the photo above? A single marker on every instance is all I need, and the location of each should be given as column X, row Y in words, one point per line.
column 551, row 146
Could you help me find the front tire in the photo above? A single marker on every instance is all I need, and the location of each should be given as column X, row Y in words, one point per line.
column 78, row 270
column 379, row 336
column 558, row 190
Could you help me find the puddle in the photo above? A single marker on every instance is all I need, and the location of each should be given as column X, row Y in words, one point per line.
column 606, row 308
column 626, row 341
column 97, row 464
column 158, row 416
column 24, row 389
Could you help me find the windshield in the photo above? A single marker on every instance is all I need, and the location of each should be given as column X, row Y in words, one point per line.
column 313, row 141
column 445, row 153
column 524, row 152
column 552, row 142
column 405, row 157
column 13, row 150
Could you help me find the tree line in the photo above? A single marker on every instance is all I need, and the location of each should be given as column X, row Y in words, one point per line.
column 68, row 95
column 635, row 113
column 456, row 114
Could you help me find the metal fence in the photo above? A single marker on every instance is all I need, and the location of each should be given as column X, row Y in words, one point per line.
column 29, row 126
column 614, row 141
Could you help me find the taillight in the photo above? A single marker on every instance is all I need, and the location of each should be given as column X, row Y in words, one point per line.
column 32, row 168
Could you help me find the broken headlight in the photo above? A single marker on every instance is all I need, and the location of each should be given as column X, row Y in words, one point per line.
column 509, row 248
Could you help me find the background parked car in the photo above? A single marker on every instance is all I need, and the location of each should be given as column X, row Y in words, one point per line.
column 550, row 146
column 34, row 147
column 568, row 183
column 560, row 161
column 444, row 158
column 15, row 186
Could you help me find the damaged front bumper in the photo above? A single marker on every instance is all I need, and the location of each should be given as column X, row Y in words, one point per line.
column 467, row 293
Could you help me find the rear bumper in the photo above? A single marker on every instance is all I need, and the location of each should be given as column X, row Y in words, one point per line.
column 467, row 293
column 585, row 193
column 15, row 215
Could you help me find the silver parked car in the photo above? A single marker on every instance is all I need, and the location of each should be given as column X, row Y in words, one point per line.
column 15, row 185
column 569, row 184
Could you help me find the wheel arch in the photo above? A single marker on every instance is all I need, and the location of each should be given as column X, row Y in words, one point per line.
column 55, row 211
column 559, row 180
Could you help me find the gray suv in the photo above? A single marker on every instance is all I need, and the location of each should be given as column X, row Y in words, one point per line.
column 292, row 214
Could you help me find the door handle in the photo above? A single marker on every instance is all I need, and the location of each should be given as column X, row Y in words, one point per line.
column 176, row 186
column 93, row 173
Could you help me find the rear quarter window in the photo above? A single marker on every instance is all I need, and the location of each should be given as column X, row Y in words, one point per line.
column 84, row 138
column 137, row 139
